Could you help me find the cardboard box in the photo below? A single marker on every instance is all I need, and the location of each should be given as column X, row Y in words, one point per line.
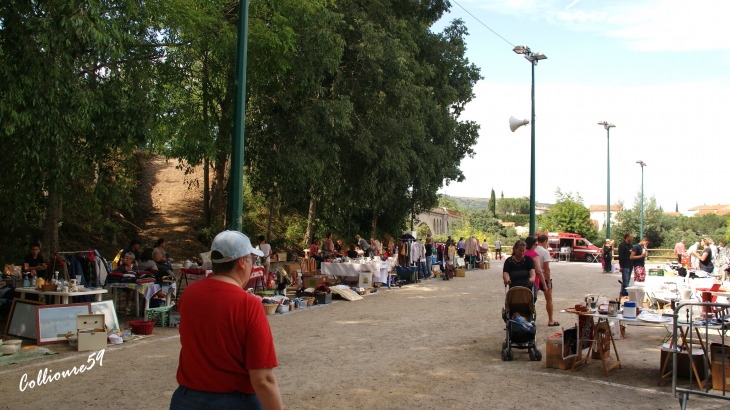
column 91, row 333
column 684, row 370
column 173, row 319
column 717, row 368
column 554, row 358
column 313, row 281
column 460, row 273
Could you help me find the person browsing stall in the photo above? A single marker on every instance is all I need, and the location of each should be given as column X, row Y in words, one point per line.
column 227, row 355
column 706, row 257
column 679, row 250
column 362, row 243
column 639, row 254
column 545, row 259
column 266, row 249
column 625, row 262
column 34, row 262
column 518, row 270
column 127, row 266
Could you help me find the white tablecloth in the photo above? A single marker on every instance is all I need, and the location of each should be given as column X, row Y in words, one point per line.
column 378, row 268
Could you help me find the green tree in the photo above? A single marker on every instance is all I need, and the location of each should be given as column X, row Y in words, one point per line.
column 568, row 214
column 77, row 80
column 629, row 220
column 513, row 205
column 492, row 206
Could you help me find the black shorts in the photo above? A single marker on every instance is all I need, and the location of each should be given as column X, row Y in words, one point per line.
column 460, row 252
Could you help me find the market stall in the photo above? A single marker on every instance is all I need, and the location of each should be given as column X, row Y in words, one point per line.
column 351, row 271
column 147, row 290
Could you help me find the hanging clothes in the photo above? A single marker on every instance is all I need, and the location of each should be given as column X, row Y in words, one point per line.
column 415, row 252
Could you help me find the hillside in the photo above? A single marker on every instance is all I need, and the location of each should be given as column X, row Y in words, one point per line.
column 470, row 203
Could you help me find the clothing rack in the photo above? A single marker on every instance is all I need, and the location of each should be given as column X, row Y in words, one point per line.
column 88, row 251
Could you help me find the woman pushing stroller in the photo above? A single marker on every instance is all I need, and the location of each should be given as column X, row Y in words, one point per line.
column 519, row 270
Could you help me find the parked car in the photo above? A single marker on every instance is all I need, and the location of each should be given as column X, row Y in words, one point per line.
column 576, row 247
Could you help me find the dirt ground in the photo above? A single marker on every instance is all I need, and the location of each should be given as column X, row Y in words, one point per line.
column 168, row 208
column 431, row 345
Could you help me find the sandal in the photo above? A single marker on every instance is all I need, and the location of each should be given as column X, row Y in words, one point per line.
column 554, row 324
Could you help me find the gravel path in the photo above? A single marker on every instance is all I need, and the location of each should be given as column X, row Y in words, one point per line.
column 430, row 345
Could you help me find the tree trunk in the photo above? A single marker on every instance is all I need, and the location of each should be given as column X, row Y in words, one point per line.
column 271, row 213
column 206, row 192
column 220, row 185
column 310, row 221
column 50, row 225
column 373, row 225
column 206, row 123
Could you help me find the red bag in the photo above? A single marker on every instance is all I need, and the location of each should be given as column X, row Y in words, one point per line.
column 639, row 273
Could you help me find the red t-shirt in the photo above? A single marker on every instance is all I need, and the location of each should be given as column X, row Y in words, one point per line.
column 224, row 333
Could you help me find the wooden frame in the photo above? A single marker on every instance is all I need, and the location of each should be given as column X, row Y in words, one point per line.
column 29, row 320
column 53, row 322
column 106, row 307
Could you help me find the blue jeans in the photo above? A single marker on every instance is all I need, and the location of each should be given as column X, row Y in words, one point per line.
column 189, row 399
column 625, row 278
column 428, row 266
column 421, row 268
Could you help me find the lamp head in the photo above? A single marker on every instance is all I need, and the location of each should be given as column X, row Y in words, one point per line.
column 539, row 56
column 521, row 49
column 607, row 125
column 642, row 163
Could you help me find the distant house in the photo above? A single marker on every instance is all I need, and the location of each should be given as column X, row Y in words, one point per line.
column 598, row 213
column 672, row 213
column 709, row 209
column 539, row 209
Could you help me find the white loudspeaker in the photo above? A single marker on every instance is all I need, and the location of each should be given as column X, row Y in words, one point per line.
column 514, row 123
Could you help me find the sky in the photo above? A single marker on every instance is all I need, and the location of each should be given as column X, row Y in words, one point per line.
column 658, row 69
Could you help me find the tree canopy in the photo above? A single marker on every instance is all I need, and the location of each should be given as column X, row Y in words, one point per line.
column 352, row 114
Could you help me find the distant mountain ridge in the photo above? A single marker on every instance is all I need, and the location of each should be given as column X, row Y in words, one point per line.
column 470, row 203
column 474, row 204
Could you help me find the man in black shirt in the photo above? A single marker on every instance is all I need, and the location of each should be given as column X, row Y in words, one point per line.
column 34, row 262
column 624, row 260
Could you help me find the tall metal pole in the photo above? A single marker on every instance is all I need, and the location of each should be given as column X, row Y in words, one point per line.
column 641, row 224
column 532, row 156
column 608, row 183
column 235, row 187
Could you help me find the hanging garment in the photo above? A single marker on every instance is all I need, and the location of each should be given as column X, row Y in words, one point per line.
column 415, row 252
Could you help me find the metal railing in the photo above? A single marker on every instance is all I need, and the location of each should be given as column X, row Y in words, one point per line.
column 701, row 323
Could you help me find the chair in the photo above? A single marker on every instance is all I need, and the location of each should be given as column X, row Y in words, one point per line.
column 564, row 253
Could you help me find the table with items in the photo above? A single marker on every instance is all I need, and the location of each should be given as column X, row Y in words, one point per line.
column 147, row 290
column 64, row 297
column 351, row 271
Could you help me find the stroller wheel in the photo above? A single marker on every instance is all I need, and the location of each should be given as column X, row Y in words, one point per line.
column 504, row 345
column 509, row 355
column 538, row 355
column 504, row 355
column 532, row 355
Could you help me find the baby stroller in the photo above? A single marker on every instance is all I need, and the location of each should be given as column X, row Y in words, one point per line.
column 521, row 331
column 448, row 272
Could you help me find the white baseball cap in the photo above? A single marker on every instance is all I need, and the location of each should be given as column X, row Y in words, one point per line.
column 232, row 245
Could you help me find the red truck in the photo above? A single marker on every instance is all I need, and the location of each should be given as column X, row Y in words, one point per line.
column 572, row 246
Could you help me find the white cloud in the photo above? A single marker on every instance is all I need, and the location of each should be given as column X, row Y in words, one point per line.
column 645, row 25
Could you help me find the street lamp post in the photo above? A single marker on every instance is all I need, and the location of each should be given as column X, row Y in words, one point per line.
column 533, row 58
column 641, row 224
column 608, row 126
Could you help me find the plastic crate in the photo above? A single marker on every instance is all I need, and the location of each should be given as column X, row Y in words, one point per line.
column 159, row 315
column 407, row 273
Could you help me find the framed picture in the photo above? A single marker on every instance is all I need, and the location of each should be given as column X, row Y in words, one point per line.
column 110, row 314
column 21, row 320
column 53, row 322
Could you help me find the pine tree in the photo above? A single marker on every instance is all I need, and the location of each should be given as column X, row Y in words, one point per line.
column 492, row 204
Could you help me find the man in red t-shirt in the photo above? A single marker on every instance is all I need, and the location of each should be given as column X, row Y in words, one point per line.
column 227, row 355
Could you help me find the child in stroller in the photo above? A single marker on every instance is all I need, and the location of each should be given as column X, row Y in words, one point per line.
column 519, row 304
